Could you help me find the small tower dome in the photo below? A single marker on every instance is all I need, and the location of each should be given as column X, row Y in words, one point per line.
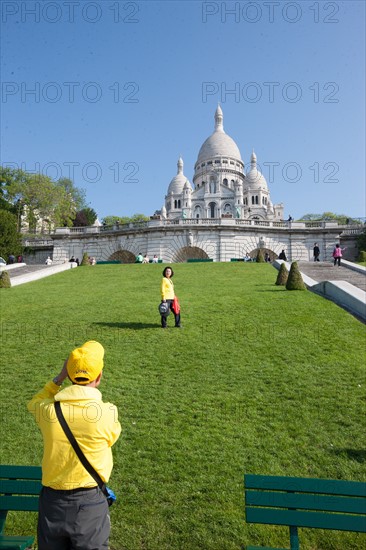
column 177, row 183
column 254, row 178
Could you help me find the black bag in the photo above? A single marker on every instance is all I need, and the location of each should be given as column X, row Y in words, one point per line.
column 164, row 308
column 108, row 493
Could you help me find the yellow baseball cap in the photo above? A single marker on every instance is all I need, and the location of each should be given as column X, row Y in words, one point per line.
column 86, row 363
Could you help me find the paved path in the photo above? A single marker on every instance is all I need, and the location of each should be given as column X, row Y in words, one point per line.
column 24, row 270
column 325, row 271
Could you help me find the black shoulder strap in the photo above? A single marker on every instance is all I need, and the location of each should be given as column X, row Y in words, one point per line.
column 70, row 436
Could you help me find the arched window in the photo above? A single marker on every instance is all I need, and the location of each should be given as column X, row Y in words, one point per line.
column 256, row 199
column 225, row 181
column 212, row 209
column 175, row 204
column 253, row 200
column 179, row 203
column 232, row 183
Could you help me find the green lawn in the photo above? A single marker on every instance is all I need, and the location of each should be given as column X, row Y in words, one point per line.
column 259, row 380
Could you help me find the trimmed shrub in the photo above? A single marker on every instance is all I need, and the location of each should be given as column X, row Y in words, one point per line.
column 5, row 280
column 260, row 257
column 85, row 260
column 362, row 256
column 294, row 281
column 282, row 275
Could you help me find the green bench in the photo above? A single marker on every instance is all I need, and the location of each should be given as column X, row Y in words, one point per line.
column 19, row 490
column 304, row 502
column 195, row 260
column 105, row 262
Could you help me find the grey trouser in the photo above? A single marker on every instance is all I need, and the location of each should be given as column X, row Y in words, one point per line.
column 73, row 520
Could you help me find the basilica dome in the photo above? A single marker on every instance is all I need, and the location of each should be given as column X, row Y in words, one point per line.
column 177, row 183
column 219, row 143
column 254, row 178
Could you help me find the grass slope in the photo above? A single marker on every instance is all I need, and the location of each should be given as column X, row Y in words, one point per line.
column 260, row 380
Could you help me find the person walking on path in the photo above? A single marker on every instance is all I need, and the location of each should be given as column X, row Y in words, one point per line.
column 337, row 254
column 316, row 252
column 167, row 295
column 73, row 510
column 282, row 256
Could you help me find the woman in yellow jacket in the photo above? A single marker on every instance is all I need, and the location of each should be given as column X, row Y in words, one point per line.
column 167, row 295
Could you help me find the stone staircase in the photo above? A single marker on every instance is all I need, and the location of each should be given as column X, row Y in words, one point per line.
column 325, row 271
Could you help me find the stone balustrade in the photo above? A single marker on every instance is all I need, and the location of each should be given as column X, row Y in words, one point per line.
column 285, row 225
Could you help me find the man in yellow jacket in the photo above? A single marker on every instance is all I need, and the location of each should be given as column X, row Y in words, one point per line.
column 73, row 511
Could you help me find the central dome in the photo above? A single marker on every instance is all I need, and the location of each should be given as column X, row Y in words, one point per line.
column 218, row 144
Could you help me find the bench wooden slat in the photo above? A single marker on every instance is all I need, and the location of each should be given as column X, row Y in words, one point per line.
column 15, row 543
column 19, row 491
column 10, row 471
column 306, row 485
column 326, row 503
column 314, row 520
column 19, row 503
column 20, row 486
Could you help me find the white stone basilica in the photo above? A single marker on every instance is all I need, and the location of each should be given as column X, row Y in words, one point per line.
column 221, row 188
column 225, row 214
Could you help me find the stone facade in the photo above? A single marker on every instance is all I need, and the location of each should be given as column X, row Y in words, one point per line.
column 218, row 239
column 227, row 213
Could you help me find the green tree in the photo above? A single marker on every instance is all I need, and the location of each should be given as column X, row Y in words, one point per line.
column 111, row 220
column 85, row 260
column 5, row 280
column 260, row 257
column 76, row 195
column 38, row 197
column 9, row 177
column 341, row 219
column 295, row 281
column 282, row 275
column 85, row 217
column 139, row 218
column 10, row 239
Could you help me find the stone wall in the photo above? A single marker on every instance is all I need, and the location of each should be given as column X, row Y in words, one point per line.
column 180, row 240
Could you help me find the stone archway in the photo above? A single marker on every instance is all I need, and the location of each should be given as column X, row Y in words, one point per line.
column 189, row 253
column 124, row 256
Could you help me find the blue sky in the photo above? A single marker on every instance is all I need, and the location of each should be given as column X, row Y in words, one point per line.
column 121, row 89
